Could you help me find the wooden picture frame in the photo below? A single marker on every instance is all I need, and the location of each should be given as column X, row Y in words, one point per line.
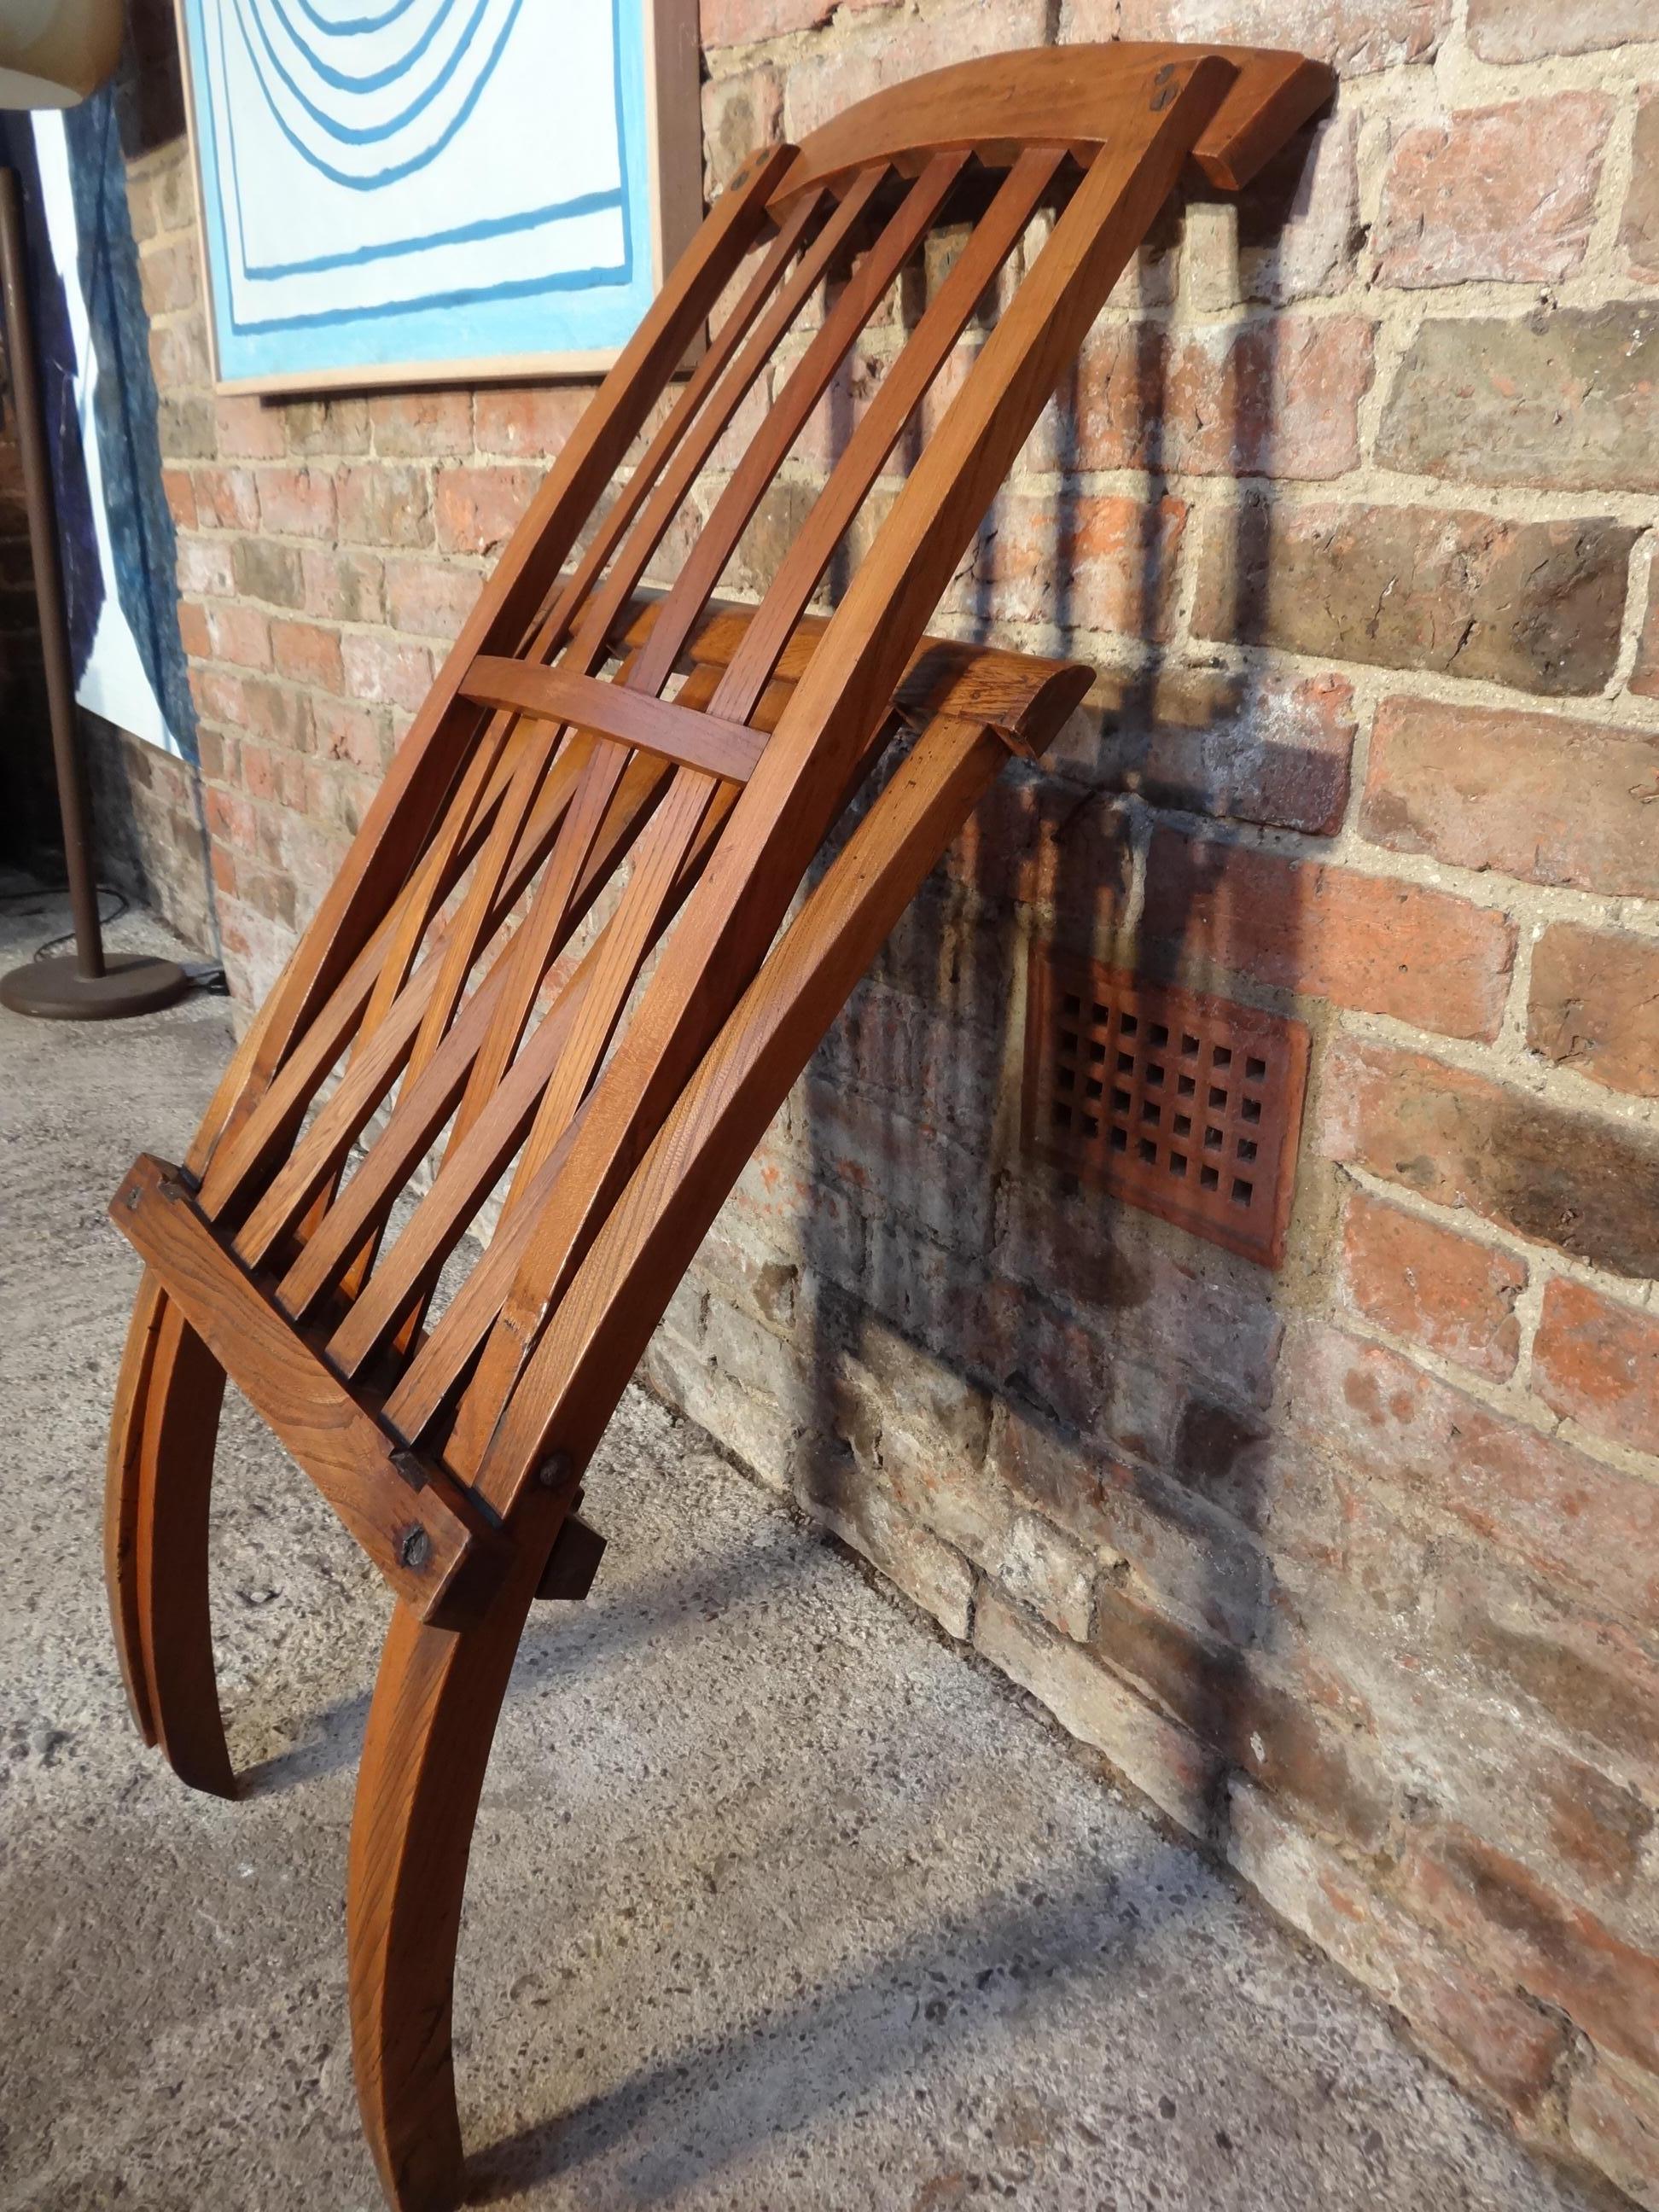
column 474, row 324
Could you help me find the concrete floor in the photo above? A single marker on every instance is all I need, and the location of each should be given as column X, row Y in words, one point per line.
column 776, row 1901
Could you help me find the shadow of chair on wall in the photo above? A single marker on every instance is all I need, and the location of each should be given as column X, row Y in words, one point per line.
column 1003, row 1330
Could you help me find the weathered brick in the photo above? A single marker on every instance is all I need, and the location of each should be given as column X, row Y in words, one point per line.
column 1279, row 398
column 379, row 668
column 1086, row 561
column 173, row 181
column 193, row 633
column 297, row 503
column 407, row 424
column 341, row 587
column 534, row 423
column 739, row 113
column 1644, row 676
column 264, row 569
column 238, row 633
column 1613, row 2118
column 167, row 275
column 1539, row 796
column 1057, row 1362
column 1421, row 1280
column 1598, row 1362
column 431, row 599
column 847, row 1500
column 229, row 816
column 1563, row 399
column 219, row 696
column 824, row 82
column 804, row 1219
column 179, row 490
column 347, row 730
column 178, row 354
column 1354, row 36
column 1467, row 197
column 329, row 428
column 1376, row 943
column 1149, row 1301
column 1593, row 1681
column 1564, row 1515
column 276, row 711
column 1220, row 1696
column 1558, row 1177
column 1481, row 2031
column 1555, row 1948
column 1639, row 227
column 307, row 652
column 385, row 503
column 1048, row 1574
column 1298, row 222
column 226, row 499
column 206, row 566
column 1192, row 1561
column 748, row 1423
column 882, row 1159
column 1530, row 30
column 477, row 509
column 1595, row 1005
column 1536, row 604
column 249, row 430
column 741, row 22
column 1169, row 1766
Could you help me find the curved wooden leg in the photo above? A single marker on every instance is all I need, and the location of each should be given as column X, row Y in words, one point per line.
column 430, row 1726
column 162, row 1438
column 122, row 1482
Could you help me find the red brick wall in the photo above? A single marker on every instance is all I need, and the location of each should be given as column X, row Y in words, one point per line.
column 1351, row 1569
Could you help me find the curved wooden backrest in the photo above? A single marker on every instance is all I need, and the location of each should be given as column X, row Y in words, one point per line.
column 458, row 1032
column 1080, row 97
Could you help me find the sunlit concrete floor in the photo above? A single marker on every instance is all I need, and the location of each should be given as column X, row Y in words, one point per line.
column 776, row 1899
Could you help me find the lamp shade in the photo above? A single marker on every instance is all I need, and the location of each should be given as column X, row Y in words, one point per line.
column 53, row 52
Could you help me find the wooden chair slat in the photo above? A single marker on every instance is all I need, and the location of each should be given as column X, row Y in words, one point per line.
column 664, row 1213
column 694, row 739
column 695, row 411
column 899, row 394
column 622, row 580
column 472, row 1169
column 441, row 1078
column 400, row 819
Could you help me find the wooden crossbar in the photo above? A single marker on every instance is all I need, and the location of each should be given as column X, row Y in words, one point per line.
column 639, row 719
column 436, row 1548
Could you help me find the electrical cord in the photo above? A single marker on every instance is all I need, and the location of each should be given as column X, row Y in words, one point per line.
column 122, row 902
column 201, row 975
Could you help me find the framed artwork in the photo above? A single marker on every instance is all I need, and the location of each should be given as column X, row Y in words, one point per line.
column 399, row 192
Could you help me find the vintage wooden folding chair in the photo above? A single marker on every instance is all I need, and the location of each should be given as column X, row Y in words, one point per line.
column 447, row 994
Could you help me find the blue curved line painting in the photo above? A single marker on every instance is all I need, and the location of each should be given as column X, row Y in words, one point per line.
column 416, row 188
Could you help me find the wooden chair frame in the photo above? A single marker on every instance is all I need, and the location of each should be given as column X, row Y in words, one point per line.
column 456, row 991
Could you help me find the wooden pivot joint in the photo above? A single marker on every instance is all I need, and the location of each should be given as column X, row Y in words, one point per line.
column 665, row 768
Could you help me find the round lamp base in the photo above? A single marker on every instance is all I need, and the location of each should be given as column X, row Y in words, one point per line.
column 57, row 991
